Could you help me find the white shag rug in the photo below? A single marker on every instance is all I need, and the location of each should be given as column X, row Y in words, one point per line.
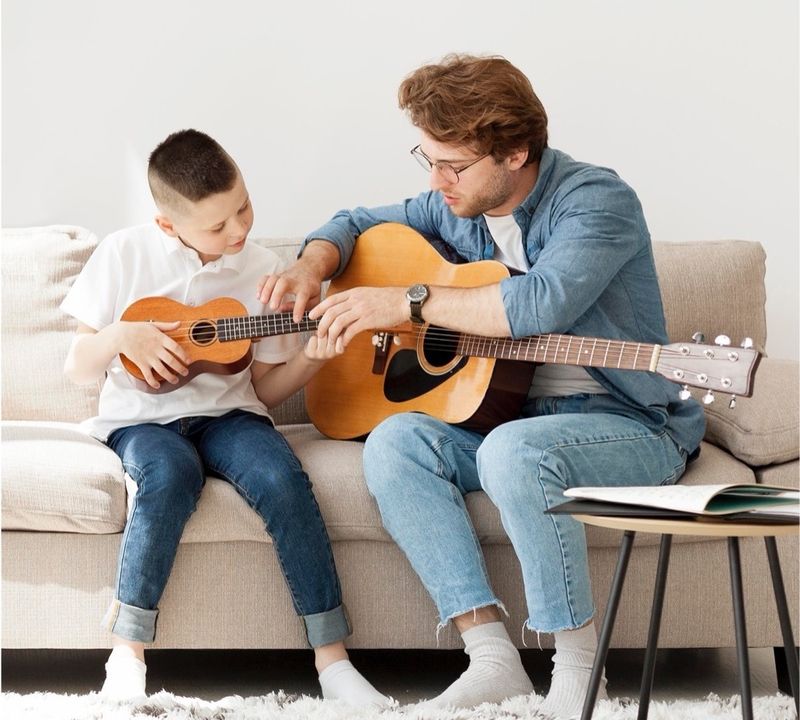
column 279, row 706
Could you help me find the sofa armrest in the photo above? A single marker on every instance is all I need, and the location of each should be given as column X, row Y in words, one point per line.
column 762, row 429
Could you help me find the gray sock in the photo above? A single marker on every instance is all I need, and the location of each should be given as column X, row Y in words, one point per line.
column 572, row 669
column 495, row 670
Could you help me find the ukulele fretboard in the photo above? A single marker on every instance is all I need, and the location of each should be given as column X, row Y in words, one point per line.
column 244, row 327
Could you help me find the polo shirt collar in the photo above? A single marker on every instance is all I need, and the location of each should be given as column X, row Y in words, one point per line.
column 235, row 262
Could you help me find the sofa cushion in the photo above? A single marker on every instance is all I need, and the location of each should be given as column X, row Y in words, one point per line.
column 715, row 287
column 38, row 267
column 350, row 512
column 58, row 479
column 763, row 429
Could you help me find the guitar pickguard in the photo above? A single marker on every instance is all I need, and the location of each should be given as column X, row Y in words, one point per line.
column 405, row 378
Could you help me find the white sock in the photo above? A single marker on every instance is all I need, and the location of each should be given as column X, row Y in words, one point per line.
column 495, row 670
column 341, row 681
column 125, row 675
column 572, row 669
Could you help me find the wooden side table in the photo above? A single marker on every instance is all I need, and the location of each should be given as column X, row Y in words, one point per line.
column 667, row 528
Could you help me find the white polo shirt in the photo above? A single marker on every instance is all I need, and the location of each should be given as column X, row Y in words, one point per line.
column 143, row 261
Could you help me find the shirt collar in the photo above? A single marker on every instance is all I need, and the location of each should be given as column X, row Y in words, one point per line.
column 546, row 164
column 235, row 262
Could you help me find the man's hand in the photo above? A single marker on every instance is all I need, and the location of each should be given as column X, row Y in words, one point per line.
column 153, row 351
column 296, row 288
column 303, row 280
column 343, row 315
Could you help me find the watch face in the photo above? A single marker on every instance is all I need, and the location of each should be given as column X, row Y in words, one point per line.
column 417, row 293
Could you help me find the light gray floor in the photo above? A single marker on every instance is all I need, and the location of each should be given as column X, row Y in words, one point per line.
column 408, row 676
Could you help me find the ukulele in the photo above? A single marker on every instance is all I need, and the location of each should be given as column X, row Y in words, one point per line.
column 217, row 336
column 478, row 382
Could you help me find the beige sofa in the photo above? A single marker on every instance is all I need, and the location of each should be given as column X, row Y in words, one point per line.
column 64, row 494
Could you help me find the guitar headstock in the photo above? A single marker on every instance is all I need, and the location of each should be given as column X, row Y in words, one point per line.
column 717, row 367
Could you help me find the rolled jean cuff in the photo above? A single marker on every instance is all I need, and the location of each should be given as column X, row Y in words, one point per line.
column 327, row 627
column 130, row 622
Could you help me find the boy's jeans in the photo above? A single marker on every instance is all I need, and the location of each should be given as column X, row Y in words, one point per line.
column 419, row 468
column 169, row 464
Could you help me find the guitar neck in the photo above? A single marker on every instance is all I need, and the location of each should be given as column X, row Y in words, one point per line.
column 249, row 327
column 564, row 350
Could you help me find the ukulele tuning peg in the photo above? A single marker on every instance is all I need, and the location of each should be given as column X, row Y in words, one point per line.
column 684, row 394
column 722, row 340
column 747, row 343
column 698, row 337
column 708, row 398
column 732, row 403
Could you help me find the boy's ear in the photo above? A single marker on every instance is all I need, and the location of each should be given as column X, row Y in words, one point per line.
column 166, row 225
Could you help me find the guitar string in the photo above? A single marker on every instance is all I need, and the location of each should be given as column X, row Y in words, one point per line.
column 446, row 339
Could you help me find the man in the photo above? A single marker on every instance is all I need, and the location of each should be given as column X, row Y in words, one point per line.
column 577, row 234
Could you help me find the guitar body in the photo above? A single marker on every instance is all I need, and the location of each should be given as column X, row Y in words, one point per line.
column 414, row 370
column 196, row 335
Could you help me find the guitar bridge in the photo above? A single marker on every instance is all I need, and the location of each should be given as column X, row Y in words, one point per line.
column 381, row 341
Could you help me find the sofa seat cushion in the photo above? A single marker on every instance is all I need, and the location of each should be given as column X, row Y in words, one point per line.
column 58, row 479
column 350, row 512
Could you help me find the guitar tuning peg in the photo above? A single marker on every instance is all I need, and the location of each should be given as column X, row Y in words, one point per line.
column 732, row 403
column 722, row 340
column 698, row 337
column 747, row 343
column 684, row 394
column 708, row 398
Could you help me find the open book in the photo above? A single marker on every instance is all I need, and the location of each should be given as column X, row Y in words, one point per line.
column 699, row 499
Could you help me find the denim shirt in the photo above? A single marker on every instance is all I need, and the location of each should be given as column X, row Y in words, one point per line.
column 592, row 273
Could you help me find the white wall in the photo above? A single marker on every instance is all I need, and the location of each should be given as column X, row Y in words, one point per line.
column 694, row 102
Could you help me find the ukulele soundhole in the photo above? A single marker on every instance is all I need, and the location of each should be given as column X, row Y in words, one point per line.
column 203, row 332
column 406, row 379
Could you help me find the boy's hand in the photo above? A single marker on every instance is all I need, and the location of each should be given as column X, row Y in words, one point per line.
column 322, row 349
column 153, row 351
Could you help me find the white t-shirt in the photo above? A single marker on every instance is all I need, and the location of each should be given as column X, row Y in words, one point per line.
column 549, row 379
column 143, row 261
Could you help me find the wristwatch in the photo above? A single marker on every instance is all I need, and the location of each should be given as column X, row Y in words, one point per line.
column 417, row 295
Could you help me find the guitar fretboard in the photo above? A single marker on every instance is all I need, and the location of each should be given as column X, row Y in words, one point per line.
column 564, row 350
column 245, row 327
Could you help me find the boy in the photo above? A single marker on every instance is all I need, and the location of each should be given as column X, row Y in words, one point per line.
column 216, row 424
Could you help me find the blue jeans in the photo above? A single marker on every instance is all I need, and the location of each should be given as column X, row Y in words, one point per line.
column 169, row 464
column 419, row 468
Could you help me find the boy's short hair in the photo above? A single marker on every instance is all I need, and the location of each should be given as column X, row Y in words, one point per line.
column 480, row 102
column 189, row 165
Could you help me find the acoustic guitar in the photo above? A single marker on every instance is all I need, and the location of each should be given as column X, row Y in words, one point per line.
column 475, row 381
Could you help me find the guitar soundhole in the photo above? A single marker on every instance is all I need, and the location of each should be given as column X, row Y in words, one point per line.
column 203, row 333
column 439, row 346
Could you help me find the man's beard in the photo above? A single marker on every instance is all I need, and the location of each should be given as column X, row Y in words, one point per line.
column 493, row 194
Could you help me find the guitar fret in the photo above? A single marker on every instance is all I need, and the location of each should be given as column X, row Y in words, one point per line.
column 621, row 350
column 547, row 347
column 594, row 346
column 605, row 357
column 569, row 345
column 636, row 356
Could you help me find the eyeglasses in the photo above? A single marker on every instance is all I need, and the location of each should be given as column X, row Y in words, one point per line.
column 447, row 171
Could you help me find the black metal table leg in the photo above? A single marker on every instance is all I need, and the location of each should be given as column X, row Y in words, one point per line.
column 783, row 615
column 608, row 624
column 741, row 628
column 655, row 626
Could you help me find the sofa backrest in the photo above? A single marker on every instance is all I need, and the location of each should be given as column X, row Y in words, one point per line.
column 713, row 286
